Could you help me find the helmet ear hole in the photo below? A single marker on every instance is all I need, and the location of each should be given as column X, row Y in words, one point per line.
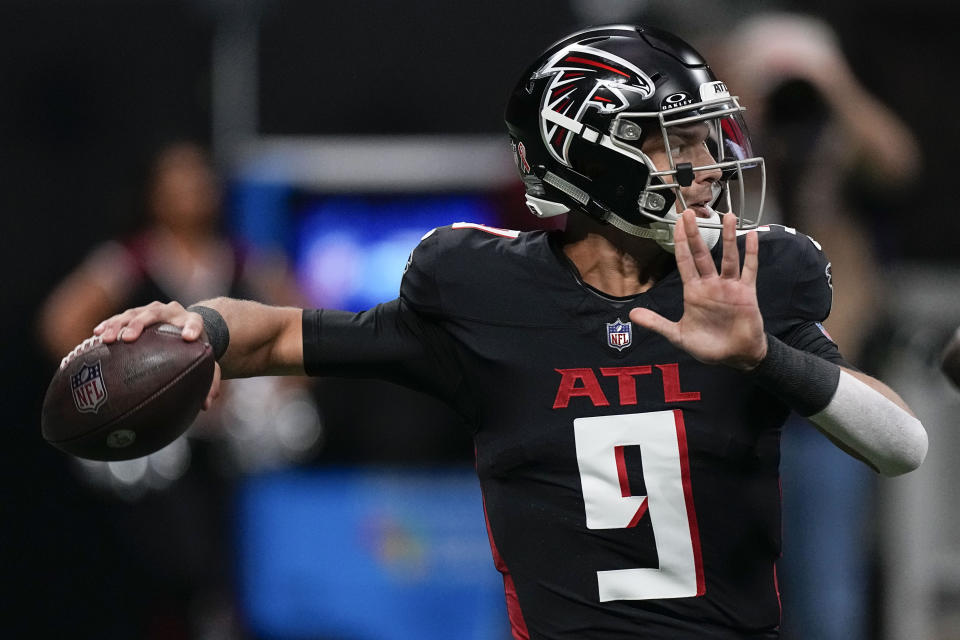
column 614, row 179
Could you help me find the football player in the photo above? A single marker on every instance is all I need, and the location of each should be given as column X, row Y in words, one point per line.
column 625, row 378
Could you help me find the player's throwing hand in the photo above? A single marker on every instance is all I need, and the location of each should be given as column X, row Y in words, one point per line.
column 721, row 322
column 128, row 326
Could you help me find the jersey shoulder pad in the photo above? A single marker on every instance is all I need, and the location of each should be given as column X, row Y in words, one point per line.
column 794, row 280
column 466, row 269
column 418, row 285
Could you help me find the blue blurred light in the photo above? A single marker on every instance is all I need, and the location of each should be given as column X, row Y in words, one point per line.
column 351, row 250
column 259, row 213
column 391, row 555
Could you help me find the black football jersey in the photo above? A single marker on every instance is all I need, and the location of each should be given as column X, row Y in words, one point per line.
column 630, row 491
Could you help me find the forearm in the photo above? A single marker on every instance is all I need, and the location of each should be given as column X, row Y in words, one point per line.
column 264, row 340
column 880, row 388
column 883, row 433
column 861, row 414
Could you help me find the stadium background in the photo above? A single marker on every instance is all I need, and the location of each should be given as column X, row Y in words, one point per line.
column 90, row 88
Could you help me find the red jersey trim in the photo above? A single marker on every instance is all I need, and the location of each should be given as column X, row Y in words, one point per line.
column 518, row 626
column 688, row 498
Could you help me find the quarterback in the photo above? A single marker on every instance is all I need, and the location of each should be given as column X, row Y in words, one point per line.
column 626, row 378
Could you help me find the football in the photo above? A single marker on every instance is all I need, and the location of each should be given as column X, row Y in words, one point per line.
column 950, row 359
column 127, row 399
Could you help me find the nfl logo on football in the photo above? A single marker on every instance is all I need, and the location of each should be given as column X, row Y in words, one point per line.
column 619, row 334
column 89, row 392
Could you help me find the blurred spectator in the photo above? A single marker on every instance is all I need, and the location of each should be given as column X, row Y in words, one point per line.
column 181, row 253
column 169, row 529
column 836, row 157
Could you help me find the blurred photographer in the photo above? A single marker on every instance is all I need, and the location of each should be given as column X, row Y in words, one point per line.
column 839, row 162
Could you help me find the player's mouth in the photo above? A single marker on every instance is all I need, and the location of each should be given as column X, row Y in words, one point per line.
column 702, row 209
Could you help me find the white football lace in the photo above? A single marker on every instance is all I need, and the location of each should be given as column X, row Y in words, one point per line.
column 86, row 345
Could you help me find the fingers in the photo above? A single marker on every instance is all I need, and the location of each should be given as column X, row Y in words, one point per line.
column 690, row 245
column 690, row 248
column 701, row 254
column 128, row 326
column 681, row 251
column 214, row 392
column 192, row 326
column 750, row 260
column 730, row 264
column 655, row 322
column 110, row 328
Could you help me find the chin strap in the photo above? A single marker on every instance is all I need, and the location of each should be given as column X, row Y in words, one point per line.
column 660, row 235
column 543, row 208
column 661, row 232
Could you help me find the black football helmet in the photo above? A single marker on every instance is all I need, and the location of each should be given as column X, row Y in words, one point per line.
column 581, row 114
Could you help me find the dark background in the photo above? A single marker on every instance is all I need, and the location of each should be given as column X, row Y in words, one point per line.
column 87, row 91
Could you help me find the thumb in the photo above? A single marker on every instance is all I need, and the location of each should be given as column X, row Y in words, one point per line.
column 655, row 322
column 214, row 391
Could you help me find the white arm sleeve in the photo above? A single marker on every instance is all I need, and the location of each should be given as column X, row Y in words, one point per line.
column 868, row 422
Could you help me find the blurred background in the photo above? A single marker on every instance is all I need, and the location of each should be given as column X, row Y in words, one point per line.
column 295, row 151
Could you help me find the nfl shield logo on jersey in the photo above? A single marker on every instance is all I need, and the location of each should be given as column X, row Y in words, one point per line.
column 619, row 334
column 89, row 391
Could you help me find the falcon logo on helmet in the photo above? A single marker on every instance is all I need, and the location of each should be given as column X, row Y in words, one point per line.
column 607, row 115
column 584, row 77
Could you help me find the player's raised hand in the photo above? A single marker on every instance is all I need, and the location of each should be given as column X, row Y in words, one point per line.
column 721, row 322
